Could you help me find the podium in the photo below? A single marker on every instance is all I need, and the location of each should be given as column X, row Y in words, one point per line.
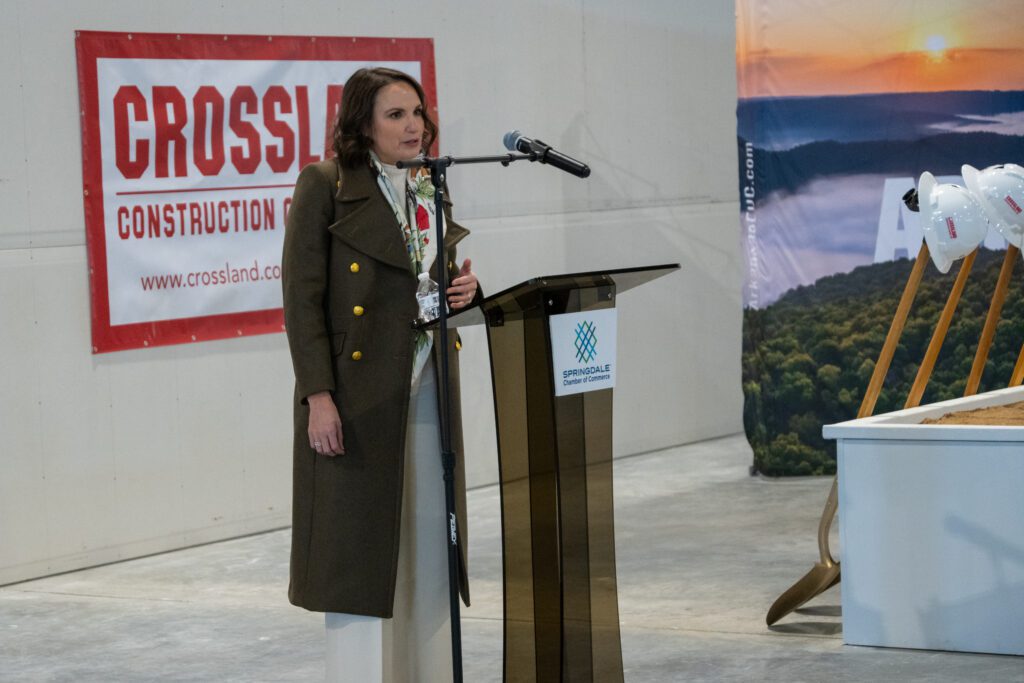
column 552, row 365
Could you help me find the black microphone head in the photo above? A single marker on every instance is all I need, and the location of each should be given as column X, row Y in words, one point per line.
column 510, row 140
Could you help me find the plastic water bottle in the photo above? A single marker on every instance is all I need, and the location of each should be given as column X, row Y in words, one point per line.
column 428, row 296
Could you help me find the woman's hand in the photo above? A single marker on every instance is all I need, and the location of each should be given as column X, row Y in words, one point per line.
column 463, row 287
column 325, row 435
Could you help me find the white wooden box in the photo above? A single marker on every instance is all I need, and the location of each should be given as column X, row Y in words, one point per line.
column 932, row 529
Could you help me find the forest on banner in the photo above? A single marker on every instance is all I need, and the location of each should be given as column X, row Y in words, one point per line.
column 808, row 357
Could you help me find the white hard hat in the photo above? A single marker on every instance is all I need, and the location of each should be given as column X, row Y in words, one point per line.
column 952, row 220
column 1000, row 189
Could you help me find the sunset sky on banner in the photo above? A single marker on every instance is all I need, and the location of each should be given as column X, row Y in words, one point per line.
column 878, row 46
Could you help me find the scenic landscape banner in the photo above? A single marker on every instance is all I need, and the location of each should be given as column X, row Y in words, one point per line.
column 840, row 108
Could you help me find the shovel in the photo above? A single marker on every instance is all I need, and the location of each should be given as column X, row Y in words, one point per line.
column 995, row 308
column 825, row 573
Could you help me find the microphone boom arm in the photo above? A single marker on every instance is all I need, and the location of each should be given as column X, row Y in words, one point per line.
column 447, row 161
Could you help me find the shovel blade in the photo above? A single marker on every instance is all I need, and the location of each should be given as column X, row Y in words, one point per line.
column 814, row 583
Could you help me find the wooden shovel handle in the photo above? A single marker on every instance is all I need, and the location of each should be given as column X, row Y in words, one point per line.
column 924, row 373
column 867, row 405
column 1018, row 370
column 995, row 308
column 827, row 515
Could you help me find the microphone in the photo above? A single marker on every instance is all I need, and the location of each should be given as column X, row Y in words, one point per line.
column 517, row 142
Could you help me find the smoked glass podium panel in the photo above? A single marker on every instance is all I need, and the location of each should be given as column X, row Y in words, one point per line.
column 561, row 617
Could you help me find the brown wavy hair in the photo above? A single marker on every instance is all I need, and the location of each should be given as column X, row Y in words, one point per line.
column 355, row 115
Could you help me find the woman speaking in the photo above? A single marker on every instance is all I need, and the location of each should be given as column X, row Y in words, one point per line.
column 368, row 529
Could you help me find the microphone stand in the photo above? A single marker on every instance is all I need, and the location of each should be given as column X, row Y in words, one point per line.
column 437, row 166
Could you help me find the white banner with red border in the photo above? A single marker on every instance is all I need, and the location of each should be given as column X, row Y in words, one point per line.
column 190, row 149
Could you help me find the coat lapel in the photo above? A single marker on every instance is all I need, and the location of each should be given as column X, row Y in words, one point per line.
column 362, row 210
column 365, row 221
column 453, row 232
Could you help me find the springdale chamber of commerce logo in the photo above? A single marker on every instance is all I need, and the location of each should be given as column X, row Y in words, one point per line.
column 583, row 351
column 586, row 342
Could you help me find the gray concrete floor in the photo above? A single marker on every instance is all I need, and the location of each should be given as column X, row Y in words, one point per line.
column 703, row 550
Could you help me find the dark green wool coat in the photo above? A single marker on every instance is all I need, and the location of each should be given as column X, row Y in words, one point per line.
column 343, row 250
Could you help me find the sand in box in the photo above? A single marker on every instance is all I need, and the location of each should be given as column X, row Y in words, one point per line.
column 1010, row 415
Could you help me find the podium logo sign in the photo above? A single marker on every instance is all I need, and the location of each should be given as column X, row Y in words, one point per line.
column 583, row 351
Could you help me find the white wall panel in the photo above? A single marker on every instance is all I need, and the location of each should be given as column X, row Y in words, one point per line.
column 207, row 414
column 112, row 456
column 74, row 408
column 659, row 102
column 14, row 231
column 262, row 422
column 22, row 481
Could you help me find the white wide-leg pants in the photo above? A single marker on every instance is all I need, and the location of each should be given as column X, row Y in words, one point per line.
column 415, row 645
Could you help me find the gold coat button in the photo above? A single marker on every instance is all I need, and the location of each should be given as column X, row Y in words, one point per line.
column 357, row 311
column 356, row 355
column 354, row 267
